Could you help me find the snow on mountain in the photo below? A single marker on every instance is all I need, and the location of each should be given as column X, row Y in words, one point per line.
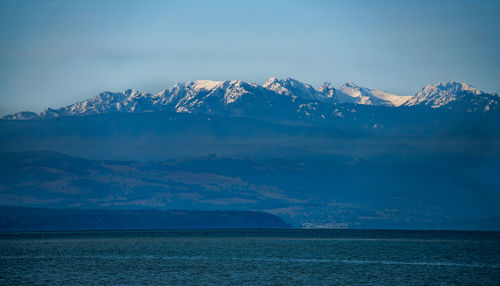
column 206, row 96
column 198, row 85
column 456, row 96
column 225, row 92
column 288, row 98
column 291, row 87
column 105, row 102
column 235, row 90
column 352, row 93
column 328, row 93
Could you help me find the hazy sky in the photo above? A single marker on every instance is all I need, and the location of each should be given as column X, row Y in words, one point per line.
column 54, row 53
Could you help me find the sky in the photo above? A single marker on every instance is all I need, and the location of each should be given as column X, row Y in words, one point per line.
column 55, row 53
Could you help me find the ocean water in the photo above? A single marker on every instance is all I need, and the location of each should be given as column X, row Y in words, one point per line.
column 253, row 257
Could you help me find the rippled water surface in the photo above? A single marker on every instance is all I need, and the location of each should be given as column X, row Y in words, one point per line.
column 269, row 257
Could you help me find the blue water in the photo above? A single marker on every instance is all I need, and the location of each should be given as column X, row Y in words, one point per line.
column 264, row 257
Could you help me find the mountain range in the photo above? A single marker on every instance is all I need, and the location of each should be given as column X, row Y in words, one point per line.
column 350, row 157
column 278, row 98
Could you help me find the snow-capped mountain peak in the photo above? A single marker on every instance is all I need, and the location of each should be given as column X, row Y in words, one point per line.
column 206, row 84
column 351, row 85
column 327, row 91
column 454, row 95
column 235, row 90
column 291, row 87
column 353, row 93
column 131, row 93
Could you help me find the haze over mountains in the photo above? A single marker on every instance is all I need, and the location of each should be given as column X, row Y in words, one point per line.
column 328, row 157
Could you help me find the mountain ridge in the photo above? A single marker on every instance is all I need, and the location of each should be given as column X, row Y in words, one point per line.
column 287, row 96
column 18, row 218
column 338, row 191
column 454, row 95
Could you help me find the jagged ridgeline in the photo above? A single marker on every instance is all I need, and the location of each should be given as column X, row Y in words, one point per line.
column 278, row 99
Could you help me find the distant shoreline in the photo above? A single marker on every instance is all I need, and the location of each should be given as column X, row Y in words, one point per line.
column 19, row 219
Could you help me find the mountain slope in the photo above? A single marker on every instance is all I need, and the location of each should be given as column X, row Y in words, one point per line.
column 352, row 93
column 42, row 219
column 228, row 98
column 455, row 96
column 292, row 88
column 22, row 115
column 383, row 191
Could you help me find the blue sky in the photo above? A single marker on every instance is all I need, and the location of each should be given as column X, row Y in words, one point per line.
column 54, row 53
